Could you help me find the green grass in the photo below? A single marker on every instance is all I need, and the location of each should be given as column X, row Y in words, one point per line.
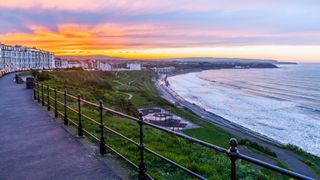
column 145, row 95
column 112, row 89
column 25, row 73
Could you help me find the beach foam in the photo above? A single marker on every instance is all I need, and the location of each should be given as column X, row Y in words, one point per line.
column 274, row 116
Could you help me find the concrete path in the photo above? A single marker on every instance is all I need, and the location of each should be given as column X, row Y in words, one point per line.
column 33, row 146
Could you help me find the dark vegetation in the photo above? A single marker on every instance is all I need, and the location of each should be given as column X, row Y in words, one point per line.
column 75, row 69
column 35, row 73
column 258, row 147
column 40, row 75
column 310, row 159
column 113, row 89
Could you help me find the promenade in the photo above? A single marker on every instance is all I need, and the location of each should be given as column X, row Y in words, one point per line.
column 33, row 146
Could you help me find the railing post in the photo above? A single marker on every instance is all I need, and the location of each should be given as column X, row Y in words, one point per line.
column 65, row 119
column 233, row 155
column 142, row 165
column 48, row 98
column 42, row 94
column 80, row 130
column 38, row 86
column 55, row 103
column 103, row 149
column 35, row 91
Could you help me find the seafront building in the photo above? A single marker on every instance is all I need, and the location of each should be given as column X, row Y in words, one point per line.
column 134, row 66
column 104, row 66
column 18, row 57
column 164, row 69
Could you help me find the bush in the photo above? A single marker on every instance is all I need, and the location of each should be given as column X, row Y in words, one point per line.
column 75, row 69
column 258, row 147
column 98, row 84
column 43, row 76
column 35, row 73
column 299, row 151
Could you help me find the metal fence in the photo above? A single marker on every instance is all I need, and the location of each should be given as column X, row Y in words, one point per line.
column 44, row 93
column 6, row 72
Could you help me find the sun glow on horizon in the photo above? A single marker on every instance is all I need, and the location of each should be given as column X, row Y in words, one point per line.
column 165, row 30
column 81, row 43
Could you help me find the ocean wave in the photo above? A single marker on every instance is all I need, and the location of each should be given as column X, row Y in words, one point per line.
column 283, row 120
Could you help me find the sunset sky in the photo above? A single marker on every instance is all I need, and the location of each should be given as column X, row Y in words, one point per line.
column 269, row 29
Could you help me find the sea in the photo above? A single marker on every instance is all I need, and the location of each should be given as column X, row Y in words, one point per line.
column 280, row 103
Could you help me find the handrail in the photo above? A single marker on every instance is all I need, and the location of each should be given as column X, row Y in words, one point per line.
column 121, row 114
column 71, row 109
column 73, row 97
column 272, row 167
column 90, row 119
column 191, row 139
column 121, row 135
column 232, row 152
column 59, row 102
column 90, row 103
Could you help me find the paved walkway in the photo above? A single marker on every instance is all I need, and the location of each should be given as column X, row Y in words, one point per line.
column 33, row 146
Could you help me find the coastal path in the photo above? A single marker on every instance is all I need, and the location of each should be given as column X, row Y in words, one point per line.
column 33, row 146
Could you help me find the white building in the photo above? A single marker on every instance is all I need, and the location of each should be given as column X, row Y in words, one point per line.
column 164, row 69
column 104, row 66
column 20, row 57
column 59, row 63
column 134, row 66
column 64, row 64
column 73, row 64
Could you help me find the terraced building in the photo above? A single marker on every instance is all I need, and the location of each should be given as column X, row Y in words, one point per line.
column 17, row 57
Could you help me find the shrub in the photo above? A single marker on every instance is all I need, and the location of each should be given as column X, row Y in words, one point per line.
column 43, row 76
column 98, row 84
column 35, row 73
column 75, row 69
column 258, row 147
column 298, row 150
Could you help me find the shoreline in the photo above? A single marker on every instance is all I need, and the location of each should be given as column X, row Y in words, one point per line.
column 211, row 117
column 293, row 160
column 171, row 96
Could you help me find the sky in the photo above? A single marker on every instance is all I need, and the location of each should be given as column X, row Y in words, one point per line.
column 287, row 30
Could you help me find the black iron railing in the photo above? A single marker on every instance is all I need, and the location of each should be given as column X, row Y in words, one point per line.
column 6, row 72
column 232, row 152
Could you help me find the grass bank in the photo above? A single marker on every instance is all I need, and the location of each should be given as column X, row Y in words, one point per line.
column 113, row 89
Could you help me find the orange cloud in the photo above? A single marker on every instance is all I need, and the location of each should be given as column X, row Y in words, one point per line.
column 69, row 37
column 146, row 41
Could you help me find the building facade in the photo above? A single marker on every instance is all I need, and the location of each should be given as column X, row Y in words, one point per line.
column 20, row 57
column 134, row 66
column 164, row 69
column 105, row 66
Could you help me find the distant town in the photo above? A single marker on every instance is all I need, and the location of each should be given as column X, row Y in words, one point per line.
column 17, row 58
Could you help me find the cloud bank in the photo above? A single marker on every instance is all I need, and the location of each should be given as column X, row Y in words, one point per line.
column 150, row 28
